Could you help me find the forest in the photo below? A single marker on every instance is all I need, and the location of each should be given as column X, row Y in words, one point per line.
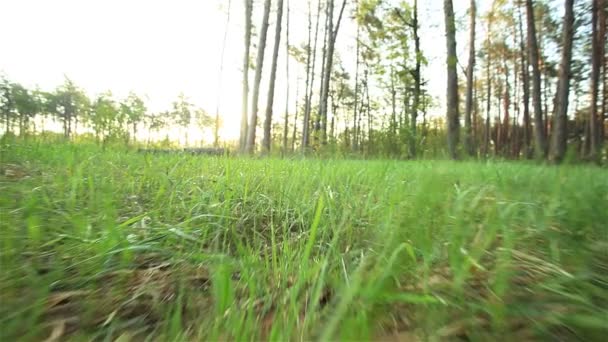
column 380, row 170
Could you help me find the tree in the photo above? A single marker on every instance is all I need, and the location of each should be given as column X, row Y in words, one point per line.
column 452, row 79
column 250, row 146
column 286, row 118
column 182, row 114
column 540, row 146
column 104, row 117
column 245, row 97
column 332, row 35
column 273, row 77
column 6, row 104
column 598, row 37
column 560, row 132
column 68, row 103
column 216, row 132
column 468, row 141
column 134, row 110
column 25, row 104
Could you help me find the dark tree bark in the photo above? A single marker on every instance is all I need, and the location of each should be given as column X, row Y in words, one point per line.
column 540, row 145
column 259, row 65
column 452, row 79
column 273, row 78
column 417, row 80
column 245, row 97
column 525, row 73
column 560, row 130
column 468, row 141
column 598, row 41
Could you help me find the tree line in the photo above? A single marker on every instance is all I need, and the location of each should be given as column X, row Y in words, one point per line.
column 533, row 84
column 518, row 81
column 25, row 111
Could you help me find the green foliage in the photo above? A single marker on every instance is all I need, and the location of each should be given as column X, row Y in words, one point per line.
column 112, row 244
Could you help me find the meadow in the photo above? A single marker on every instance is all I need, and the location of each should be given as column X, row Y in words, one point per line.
column 118, row 245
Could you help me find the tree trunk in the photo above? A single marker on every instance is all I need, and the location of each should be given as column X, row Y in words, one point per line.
column 286, row 119
column 259, row 65
column 329, row 58
column 468, row 142
column 273, row 77
column 598, row 41
column 525, row 72
column 245, row 97
column 216, row 133
column 560, row 129
column 310, row 76
column 417, row 77
column 355, row 133
column 486, row 144
column 452, row 79
column 295, row 119
column 540, row 146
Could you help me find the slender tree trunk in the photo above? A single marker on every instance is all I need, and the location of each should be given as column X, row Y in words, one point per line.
column 329, row 58
column 286, row 119
column 486, row 148
column 468, row 141
column 355, row 143
column 326, row 33
column 245, row 98
column 417, row 81
column 452, row 79
column 560, row 128
column 273, row 77
column 525, row 72
column 540, row 145
column 216, row 132
column 259, row 65
column 310, row 78
column 295, row 120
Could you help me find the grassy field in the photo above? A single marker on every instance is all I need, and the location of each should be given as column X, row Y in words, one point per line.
column 115, row 244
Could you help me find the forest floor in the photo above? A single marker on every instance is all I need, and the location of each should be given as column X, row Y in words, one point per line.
column 115, row 244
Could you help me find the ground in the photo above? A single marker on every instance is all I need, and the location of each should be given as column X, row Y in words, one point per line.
column 117, row 244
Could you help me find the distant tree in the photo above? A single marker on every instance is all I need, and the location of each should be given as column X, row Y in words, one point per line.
column 104, row 117
column 182, row 114
column 134, row 110
column 26, row 105
column 7, row 104
column 259, row 65
column 204, row 120
column 68, row 103
column 452, row 79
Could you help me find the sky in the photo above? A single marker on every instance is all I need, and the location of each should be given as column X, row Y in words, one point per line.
column 161, row 48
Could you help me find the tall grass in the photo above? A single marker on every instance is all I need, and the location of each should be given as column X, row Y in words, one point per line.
column 115, row 244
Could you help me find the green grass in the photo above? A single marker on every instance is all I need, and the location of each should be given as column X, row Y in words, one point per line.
column 115, row 244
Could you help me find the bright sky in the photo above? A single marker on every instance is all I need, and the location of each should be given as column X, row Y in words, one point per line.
column 161, row 48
